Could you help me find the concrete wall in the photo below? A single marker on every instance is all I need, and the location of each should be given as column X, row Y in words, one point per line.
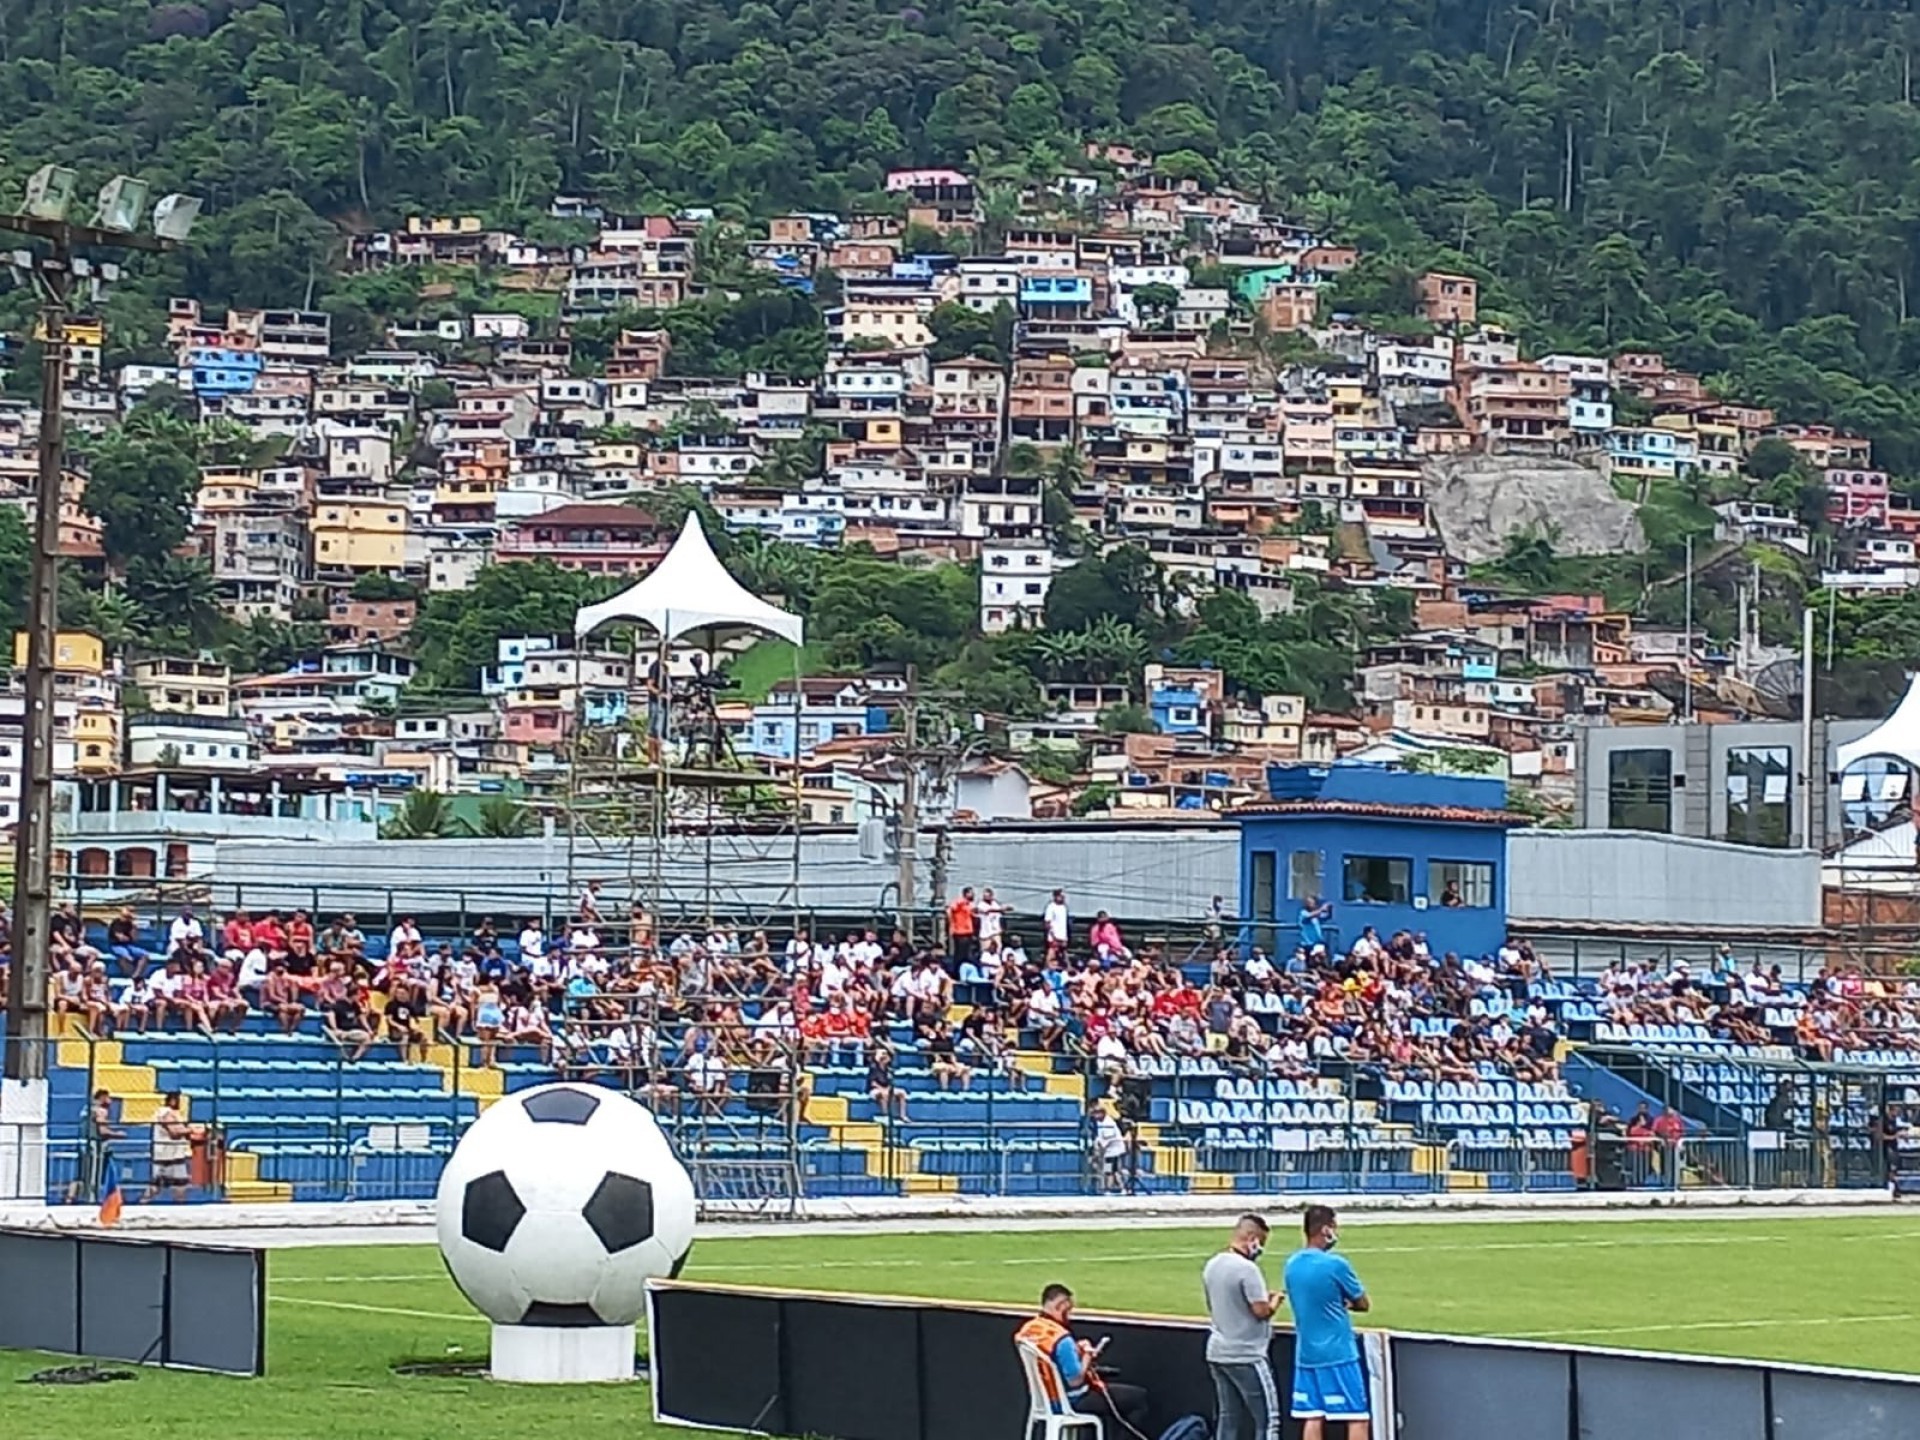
column 1136, row 870
column 1625, row 877
column 1139, row 870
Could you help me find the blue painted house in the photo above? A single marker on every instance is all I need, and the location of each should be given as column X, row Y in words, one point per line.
column 1385, row 848
column 216, row 370
column 1177, row 709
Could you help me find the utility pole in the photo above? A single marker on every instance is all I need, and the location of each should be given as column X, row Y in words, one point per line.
column 909, row 838
column 52, row 273
column 33, row 839
column 917, row 757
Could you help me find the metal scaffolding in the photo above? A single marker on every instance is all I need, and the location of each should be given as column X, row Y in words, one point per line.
column 657, row 801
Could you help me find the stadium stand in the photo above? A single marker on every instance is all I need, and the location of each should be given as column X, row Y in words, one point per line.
column 333, row 1063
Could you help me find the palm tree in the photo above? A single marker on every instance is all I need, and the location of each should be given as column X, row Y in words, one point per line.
column 179, row 594
column 117, row 618
column 1060, row 654
column 1114, row 650
column 423, row 815
column 501, row 817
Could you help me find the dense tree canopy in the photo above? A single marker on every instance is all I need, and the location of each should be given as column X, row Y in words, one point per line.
column 1727, row 178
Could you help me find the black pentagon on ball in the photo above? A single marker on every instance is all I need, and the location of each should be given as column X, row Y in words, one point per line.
column 681, row 1263
column 561, row 1107
column 620, row 1211
column 490, row 1210
column 554, row 1316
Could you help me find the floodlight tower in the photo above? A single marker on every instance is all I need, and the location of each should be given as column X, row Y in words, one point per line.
column 52, row 271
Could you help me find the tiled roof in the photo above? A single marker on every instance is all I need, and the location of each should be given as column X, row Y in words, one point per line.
column 1448, row 814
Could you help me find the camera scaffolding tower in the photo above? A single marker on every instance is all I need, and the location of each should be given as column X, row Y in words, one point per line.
column 655, row 796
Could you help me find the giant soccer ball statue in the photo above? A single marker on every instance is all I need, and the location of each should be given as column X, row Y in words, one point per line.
column 556, row 1208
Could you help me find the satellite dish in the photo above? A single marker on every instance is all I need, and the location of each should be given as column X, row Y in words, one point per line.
column 1778, row 688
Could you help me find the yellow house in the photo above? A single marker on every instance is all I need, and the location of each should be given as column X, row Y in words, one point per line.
column 359, row 535
column 1716, row 436
column 76, row 652
column 96, row 741
column 177, row 686
column 443, row 225
column 897, row 324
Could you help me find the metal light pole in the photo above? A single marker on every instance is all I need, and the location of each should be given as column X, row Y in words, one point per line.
column 53, row 273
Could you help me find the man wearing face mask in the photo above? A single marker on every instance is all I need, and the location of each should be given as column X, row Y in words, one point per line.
column 1324, row 1294
column 1240, row 1312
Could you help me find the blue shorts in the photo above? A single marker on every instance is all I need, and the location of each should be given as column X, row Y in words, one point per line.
column 1329, row 1392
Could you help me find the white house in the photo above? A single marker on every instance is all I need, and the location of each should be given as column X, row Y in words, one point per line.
column 1015, row 576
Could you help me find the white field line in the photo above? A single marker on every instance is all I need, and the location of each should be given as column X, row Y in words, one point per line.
column 1771, row 1323
column 375, row 1309
column 1359, row 1250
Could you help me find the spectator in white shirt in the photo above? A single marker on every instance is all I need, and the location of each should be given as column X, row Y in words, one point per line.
column 406, row 933
column 990, row 915
column 589, row 906
column 533, row 942
column 776, row 1020
column 707, row 1078
column 834, row 975
column 185, row 927
column 1259, row 967
column 1058, row 924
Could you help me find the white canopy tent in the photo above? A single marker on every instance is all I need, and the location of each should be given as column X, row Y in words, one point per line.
column 690, row 596
column 1897, row 736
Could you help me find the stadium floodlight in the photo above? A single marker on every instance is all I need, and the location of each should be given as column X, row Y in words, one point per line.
column 122, row 201
column 174, row 215
column 50, row 192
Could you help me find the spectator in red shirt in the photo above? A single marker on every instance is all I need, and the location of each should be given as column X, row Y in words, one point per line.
column 237, row 936
column 270, row 936
column 1670, row 1129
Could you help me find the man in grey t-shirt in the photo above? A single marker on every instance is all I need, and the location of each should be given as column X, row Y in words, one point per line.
column 1240, row 1311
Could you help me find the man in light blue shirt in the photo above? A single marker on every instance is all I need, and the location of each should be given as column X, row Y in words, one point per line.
column 1313, row 921
column 1324, row 1294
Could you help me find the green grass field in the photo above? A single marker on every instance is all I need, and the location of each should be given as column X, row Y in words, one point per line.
column 1827, row 1291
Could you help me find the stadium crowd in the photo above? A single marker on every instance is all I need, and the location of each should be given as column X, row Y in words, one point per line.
column 688, row 1007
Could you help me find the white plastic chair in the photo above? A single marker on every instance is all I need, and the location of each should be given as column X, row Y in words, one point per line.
column 1047, row 1403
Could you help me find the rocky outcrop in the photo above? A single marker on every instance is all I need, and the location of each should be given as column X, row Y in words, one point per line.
column 1479, row 500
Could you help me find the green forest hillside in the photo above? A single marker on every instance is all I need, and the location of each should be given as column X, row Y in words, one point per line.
column 1730, row 180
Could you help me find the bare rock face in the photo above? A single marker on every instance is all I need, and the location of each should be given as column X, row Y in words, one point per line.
column 1479, row 500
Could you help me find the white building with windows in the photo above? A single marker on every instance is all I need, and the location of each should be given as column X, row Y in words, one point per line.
column 1014, row 579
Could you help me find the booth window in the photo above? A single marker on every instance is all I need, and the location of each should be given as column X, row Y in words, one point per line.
column 1462, row 884
column 1759, row 795
column 1263, row 881
column 1640, row 790
column 1378, row 880
column 1304, row 880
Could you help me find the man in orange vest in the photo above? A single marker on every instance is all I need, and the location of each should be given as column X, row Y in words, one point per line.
column 961, row 927
column 1072, row 1385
